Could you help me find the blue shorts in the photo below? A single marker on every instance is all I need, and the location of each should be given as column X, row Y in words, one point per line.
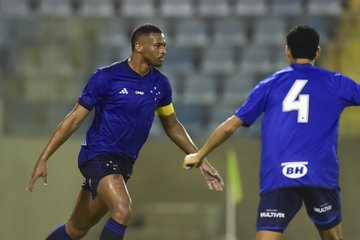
column 277, row 208
column 102, row 165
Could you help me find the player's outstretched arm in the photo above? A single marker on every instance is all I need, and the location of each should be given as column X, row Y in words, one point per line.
column 220, row 134
column 62, row 132
column 177, row 133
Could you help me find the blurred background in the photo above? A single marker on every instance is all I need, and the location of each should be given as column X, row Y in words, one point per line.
column 217, row 51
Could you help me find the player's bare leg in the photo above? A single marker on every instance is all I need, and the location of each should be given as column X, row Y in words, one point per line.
column 87, row 213
column 113, row 192
column 334, row 233
column 268, row 235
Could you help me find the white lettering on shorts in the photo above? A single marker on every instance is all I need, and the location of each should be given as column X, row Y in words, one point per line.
column 272, row 214
column 323, row 209
column 294, row 169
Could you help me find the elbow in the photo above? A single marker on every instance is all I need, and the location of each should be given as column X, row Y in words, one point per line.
column 71, row 122
column 231, row 125
column 228, row 129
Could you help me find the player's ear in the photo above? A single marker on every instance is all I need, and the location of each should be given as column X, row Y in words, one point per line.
column 318, row 53
column 138, row 47
column 288, row 53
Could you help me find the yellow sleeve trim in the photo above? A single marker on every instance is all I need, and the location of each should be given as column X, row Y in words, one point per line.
column 165, row 110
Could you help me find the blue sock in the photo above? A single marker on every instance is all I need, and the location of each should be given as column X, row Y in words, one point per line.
column 59, row 234
column 113, row 231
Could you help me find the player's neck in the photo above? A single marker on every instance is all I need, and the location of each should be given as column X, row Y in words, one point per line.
column 137, row 66
column 302, row 61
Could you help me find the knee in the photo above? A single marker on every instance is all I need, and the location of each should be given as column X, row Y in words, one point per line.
column 77, row 230
column 122, row 212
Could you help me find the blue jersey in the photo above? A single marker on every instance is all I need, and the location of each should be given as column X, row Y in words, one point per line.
column 125, row 105
column 301, row 105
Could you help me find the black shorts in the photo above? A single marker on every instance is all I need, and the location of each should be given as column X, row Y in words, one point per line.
column 102, row 165
column 277, row 208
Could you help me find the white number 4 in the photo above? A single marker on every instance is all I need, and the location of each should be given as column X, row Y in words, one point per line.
column 294, row 101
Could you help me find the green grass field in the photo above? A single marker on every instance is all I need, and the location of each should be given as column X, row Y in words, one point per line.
column 169, row 203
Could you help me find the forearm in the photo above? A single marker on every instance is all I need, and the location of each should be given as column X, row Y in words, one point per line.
column 62, row 132
column 216, row 139
column 220, row 134
column 177, row 133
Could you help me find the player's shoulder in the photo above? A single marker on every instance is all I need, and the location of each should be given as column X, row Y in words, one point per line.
column 333, row 77
column 276, row 76
column 108, row 72
column 113, row 67
column 282, row 75
column 158, row 73
column 305, row 70
column 325, row 71
column 160, row 76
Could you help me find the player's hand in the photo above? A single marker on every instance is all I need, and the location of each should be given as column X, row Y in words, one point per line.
column 192, row 160
column 211, row 177
column 38, row 172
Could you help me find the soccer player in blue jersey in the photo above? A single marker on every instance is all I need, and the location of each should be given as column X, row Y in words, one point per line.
column 301, row 107
column 125, row 97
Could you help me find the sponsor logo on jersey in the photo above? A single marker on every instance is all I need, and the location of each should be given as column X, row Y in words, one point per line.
column 294, row 169
column 139, row 92
column 124, row 91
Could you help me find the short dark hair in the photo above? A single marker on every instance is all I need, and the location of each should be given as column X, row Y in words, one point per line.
column 303, row 42
column 141, row 30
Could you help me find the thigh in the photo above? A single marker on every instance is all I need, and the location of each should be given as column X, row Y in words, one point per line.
column 276, row 209
column 113, row 192
column 323, row 207
column 87, row 211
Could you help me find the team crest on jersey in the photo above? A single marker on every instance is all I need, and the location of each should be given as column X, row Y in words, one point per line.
column 155, row 92
column 294, row 169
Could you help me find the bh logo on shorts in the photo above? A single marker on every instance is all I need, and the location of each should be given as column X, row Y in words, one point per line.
column 294, row 169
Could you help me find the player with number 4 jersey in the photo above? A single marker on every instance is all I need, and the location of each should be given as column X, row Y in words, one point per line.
column 301, row 107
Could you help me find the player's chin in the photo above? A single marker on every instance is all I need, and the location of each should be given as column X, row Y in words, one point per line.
column 157, row 64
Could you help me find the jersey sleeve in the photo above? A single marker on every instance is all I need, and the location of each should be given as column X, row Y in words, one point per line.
column 254, row 106
column 94, row 91
column 348, row 90
column 167, row 96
